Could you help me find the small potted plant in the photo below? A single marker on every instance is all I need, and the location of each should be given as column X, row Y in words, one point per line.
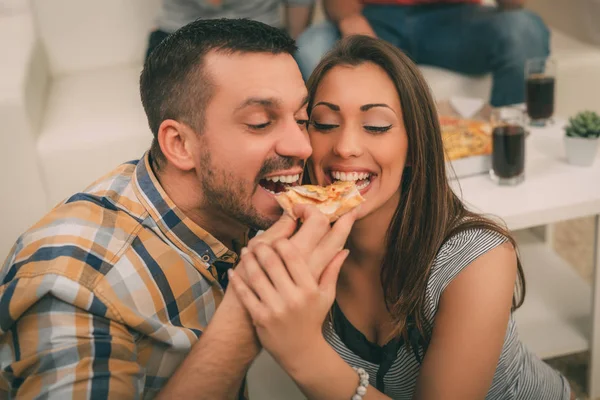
column 581, row 138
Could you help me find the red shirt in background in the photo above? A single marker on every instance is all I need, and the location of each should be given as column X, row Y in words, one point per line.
column 416, row 2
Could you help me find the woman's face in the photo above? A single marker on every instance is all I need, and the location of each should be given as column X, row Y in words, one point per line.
column 357, row 133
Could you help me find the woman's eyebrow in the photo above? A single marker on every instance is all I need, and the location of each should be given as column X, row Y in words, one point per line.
column 367, row 107
column 331, row 106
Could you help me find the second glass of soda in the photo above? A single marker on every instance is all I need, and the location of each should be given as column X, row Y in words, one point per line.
column 540, row 75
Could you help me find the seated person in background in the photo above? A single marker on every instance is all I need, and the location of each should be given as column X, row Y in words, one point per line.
column 118, row 293
column 459, row 35
column 425, row 298
column 176, row 13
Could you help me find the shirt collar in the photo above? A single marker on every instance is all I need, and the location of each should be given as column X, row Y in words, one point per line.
column 173, row 223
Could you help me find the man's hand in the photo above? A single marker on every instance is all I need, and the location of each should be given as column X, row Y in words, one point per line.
column 288, row 285
column 286, row 303
column 316, row 240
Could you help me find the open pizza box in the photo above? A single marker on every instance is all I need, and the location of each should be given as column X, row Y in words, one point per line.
column 471, row 109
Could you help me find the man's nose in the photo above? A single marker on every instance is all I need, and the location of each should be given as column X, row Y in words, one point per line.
column 294, row 142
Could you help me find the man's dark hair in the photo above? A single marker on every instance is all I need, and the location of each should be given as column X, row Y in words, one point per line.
column 173, row 84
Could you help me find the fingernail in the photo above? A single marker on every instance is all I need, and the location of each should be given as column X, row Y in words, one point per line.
column 230, row 272
column 244, row 251
column 346, row 252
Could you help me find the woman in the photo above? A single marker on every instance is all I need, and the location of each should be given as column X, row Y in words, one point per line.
column 423, row 301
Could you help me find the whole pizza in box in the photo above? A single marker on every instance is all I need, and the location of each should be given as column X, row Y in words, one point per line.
column 465, row 137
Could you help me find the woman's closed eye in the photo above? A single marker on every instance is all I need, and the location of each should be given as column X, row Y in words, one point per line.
column 323, row 127
column 377, row 128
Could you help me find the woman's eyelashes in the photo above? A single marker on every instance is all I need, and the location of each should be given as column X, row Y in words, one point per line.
column 377, row 129
column 369, row 128
column 322, row 127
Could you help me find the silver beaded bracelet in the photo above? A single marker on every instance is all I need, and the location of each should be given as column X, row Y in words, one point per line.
column 363, row 383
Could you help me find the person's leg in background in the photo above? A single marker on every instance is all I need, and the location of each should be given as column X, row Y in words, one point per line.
column 319, row 39
column 476, row 40
column 156, row 37
column 313, row 43
column 392, row 24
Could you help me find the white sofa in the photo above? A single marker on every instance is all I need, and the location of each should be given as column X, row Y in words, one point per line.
column 70, row 108
column 69, row 100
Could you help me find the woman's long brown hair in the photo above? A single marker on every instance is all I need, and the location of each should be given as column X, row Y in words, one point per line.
column 429, row 212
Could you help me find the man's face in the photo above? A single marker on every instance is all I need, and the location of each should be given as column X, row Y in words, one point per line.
column 254, row 139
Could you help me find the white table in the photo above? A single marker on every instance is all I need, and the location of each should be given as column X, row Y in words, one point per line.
column 561, row 313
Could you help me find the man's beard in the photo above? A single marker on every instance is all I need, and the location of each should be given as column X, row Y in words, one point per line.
column 224, row 191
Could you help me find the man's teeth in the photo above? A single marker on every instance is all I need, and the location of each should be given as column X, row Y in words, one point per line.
column 284, row 178
column 349, row 176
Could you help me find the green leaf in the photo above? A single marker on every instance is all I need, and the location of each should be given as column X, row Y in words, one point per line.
column 584, row 124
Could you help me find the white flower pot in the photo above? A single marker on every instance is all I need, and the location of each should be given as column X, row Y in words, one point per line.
column 581, row 151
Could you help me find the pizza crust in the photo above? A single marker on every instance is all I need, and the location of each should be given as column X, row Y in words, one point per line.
column 334, row 200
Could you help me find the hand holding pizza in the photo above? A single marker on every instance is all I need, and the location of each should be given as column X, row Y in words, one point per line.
column 289, row 286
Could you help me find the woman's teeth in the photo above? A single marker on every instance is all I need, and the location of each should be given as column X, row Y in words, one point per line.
column 363, row 185
column 349, row 176
column 361, row 179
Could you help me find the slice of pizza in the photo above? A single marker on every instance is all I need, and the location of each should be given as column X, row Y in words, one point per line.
column 334, row 200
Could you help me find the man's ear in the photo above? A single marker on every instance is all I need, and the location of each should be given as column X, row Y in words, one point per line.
column 175, row 140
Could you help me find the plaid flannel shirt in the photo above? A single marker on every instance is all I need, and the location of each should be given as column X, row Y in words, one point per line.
column 106, row 295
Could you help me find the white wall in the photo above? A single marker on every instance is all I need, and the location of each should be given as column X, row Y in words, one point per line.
column 8, row 7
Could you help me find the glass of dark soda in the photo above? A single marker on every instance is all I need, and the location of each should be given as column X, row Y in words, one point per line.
column 508, row 148
column 540, row 75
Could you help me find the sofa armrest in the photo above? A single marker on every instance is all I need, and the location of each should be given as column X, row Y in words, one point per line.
column 23, row 87
column 24, row 73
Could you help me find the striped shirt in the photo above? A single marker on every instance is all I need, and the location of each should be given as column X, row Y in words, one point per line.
column 394, row 369
column 106, row 295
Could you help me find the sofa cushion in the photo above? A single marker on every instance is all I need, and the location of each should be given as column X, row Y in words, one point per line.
column 94, row 121
column 444, row 83
column 83, row 35
column 578, row 78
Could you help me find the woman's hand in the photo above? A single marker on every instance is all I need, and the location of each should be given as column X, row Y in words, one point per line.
column 286, row 302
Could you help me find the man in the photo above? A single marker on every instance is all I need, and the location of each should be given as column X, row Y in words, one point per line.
column 176, row 13
column 459, row 35
column 113, row 290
